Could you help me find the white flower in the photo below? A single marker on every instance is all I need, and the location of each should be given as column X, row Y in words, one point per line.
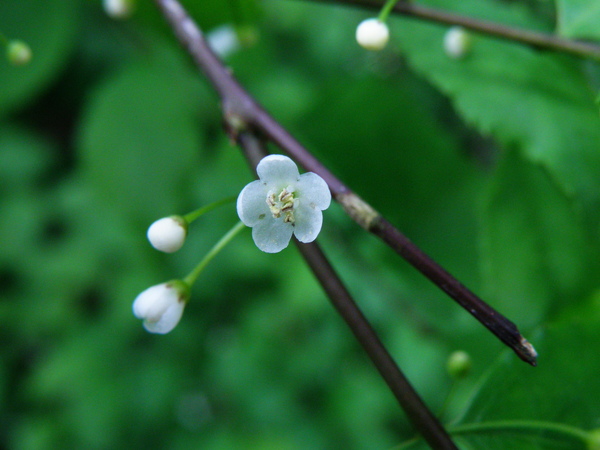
column 118, row 9
column 281, row 203
column 457, row 42
column 161, row 306
column 372, row 34
column 168, row 234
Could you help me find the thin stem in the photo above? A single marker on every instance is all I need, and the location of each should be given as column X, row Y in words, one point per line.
column 190, row 217
column 448, row 399
column 518, row 426
column 242, row 112
column 387, row 8
column 407, row 444
column 416, row 410
column 524, row 426
column 531, row 38
column 193, row 275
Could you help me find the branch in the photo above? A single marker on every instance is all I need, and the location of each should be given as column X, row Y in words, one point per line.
column 417, row 411
column 531, row 38
column 242, row 112
column 422, row 419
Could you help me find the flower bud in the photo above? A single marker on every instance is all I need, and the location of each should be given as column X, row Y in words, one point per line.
column 457, row 42
column 161, row 306
column 168, row 234
column 372, row 34
column 18, row 53
column 119, row 9
column 223, row 40
column 459, row 364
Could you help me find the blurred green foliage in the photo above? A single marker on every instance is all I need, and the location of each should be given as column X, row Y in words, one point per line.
column 491, row 164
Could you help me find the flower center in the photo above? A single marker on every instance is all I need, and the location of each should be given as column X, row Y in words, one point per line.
column 283, row 203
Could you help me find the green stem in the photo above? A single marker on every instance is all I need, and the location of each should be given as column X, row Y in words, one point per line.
column 386, row 10
column 523, row 425
column 449, row 397
column 407, row 444
column 511, row 425
column 193, row 275
column 195, row 214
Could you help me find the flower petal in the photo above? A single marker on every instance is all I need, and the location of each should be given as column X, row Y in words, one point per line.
column 154, row 301
column 252, row 203
column 272, row 235
column 161, row 306
column 169, row 319
column 312, row 189
column 309, row 221
column 278, row 170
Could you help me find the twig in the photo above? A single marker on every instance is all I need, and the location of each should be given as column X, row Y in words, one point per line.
column 416, row 410
column 421, row 417
column 506, row 331
column 242, row 112
column 531, row 38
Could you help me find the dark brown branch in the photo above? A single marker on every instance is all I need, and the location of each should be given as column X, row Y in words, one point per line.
column 421, row 417
column 506, row 331
column 242, row 112
column 410, row 401
column 532, row 38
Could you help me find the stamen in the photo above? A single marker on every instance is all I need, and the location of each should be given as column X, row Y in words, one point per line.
column 282, row 203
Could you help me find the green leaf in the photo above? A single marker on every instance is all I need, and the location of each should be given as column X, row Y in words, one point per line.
column 579, row 19
column 551, row 406
column 49, row 29
column 140, row 138
column 536, row 254
column 537, row 101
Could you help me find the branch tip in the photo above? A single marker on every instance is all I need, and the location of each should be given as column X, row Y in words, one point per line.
column 527, row 352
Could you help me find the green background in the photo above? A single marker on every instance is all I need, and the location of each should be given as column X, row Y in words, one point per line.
column 490, row 163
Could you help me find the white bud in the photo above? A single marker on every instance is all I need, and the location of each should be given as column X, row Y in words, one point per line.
column 457, row 42
column 119, row 9
column 161, row 306
column 18, row 53
column 223, row 40
column 372, row 34
column 168, row 234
